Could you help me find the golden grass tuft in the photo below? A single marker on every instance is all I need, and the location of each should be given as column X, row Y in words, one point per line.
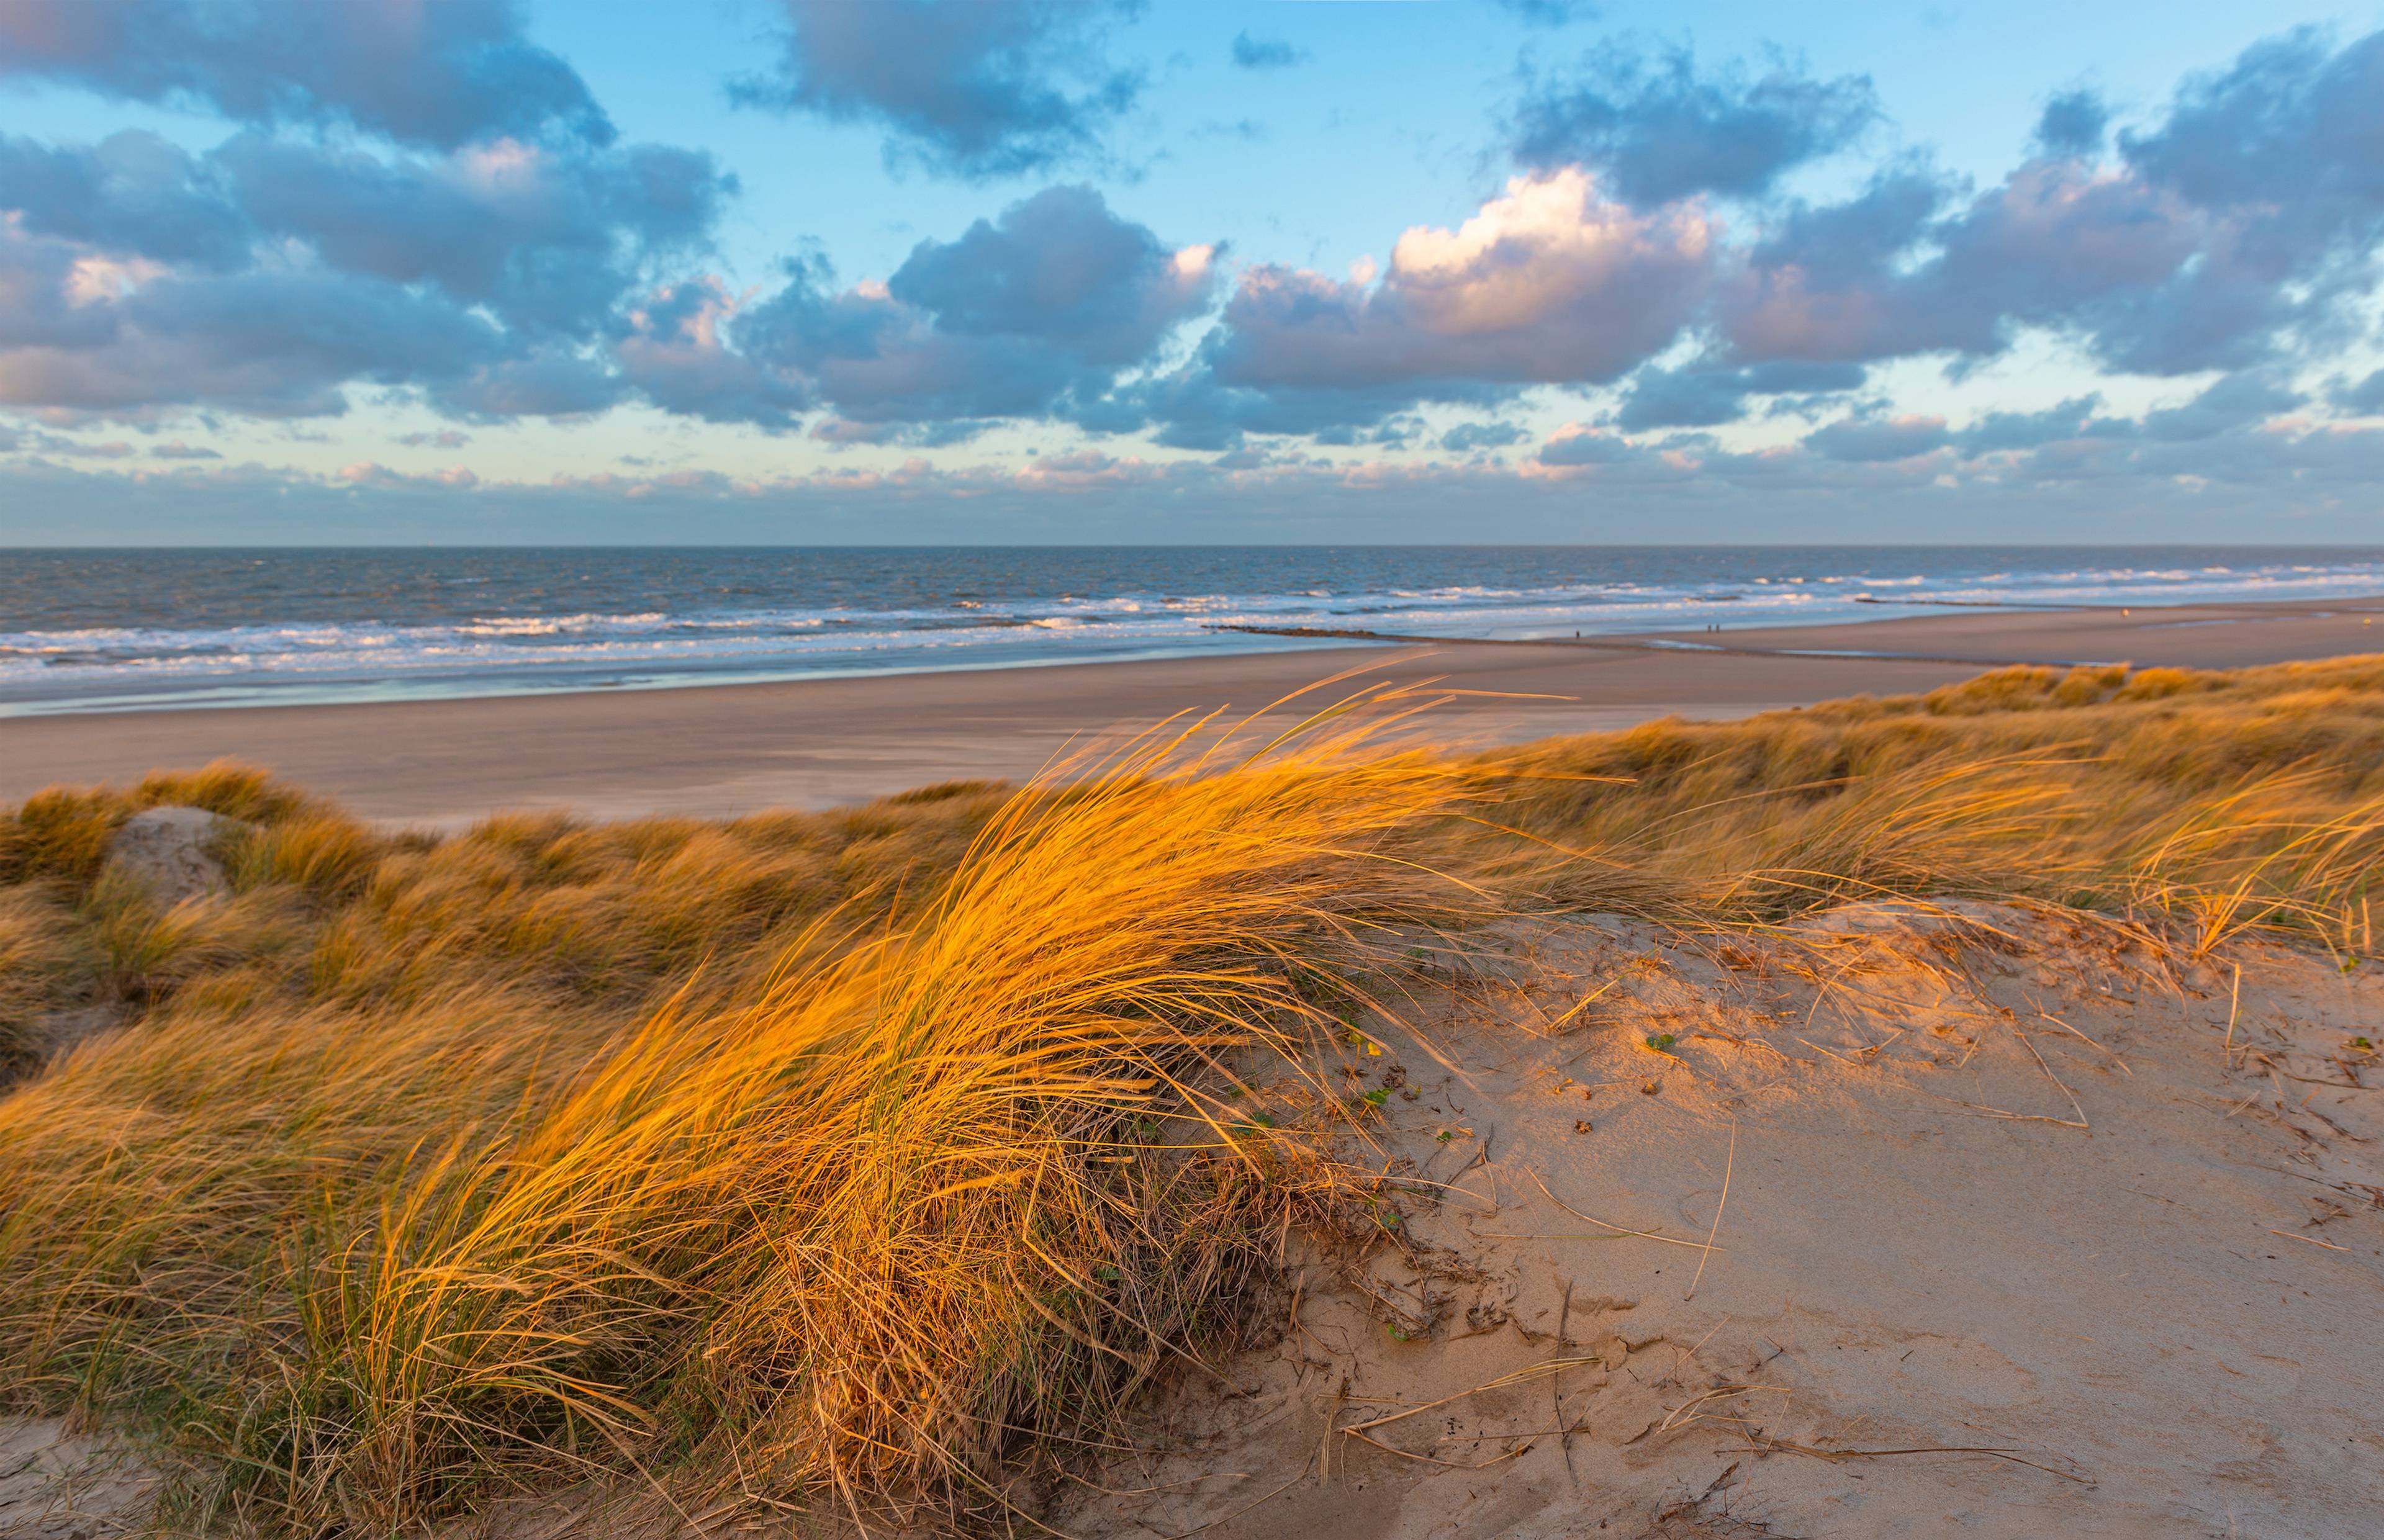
column 938, row 1184
column 2211, row 803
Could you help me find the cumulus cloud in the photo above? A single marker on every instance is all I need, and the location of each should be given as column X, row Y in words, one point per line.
column 1256, row 52
column 265, row 275
column 1707, row 395
column 499, row 257
column 2059, row 244
column 1547, row 13
column 1548, row 282
column 273, row 341
column 552, row 380
column 1866, row 441
column 270, row 343
column 2243, row 224
column 548, row 240
column 1060, row 268
column 1661, row 129
column 2233, row 402
column 1022, row 316
column 972, row 88
column 2289, row 134
column 131, row 195
column 481, row 262
column 1578, row 445
column 1470, row 437
column 673, row 350
column 2001, row 433
column 2073, row 124
column 437, row 72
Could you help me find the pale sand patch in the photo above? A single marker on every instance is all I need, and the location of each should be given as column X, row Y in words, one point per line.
column 2012, row 1245
column 56, row 1484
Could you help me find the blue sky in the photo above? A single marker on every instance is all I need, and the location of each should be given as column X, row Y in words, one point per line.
column 397, row 270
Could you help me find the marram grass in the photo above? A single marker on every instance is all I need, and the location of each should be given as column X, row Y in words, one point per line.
column 934, row 1184
column 837, row 1160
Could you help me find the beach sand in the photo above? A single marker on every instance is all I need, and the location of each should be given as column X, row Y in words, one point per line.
column 716, row 750
column 2013, row 1226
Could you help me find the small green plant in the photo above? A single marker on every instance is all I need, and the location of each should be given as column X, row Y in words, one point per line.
column 1661, row 1041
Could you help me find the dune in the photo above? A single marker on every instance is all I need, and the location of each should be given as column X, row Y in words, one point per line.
column 1934, row 1112
column 1965, row 1218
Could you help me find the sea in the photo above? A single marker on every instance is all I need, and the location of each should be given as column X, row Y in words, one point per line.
column 129, row 629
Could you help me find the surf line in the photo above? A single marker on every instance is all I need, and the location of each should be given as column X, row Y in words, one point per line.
column 1618, row 645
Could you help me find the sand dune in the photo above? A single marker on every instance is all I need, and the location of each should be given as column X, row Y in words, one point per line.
column 1925, row 1220
column 2018, row 1241
column 1754, row 1213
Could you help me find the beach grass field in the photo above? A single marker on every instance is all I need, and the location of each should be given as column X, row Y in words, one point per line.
column 863, row 1164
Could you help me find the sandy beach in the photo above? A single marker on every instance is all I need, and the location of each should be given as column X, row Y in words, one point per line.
column 724, row 750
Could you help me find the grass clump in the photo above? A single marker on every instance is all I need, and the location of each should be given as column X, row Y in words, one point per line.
column 43, row 958
column 928, row 1185
column 2210, row 802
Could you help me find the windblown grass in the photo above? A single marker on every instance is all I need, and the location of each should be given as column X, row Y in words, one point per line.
column 2204, row 803
column 833, row 1160
column 934, row 1182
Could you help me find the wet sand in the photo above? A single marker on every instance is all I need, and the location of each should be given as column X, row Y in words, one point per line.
column 728, row 749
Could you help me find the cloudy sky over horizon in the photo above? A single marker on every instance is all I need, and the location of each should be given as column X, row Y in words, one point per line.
column 1105, row 269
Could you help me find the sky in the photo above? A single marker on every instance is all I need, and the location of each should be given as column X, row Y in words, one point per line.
column 538, row 271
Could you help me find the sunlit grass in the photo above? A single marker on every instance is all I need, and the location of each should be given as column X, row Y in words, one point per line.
column 944, row 1173
column 837, row 1159
column 2206, row 802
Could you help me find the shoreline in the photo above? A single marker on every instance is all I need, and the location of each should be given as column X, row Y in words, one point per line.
column 728, row 749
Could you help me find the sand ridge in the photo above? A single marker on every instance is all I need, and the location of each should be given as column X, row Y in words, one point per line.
column 2020, row 1239
column 1907, row 1218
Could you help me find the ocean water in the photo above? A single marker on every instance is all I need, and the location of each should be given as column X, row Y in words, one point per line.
column 101, row 630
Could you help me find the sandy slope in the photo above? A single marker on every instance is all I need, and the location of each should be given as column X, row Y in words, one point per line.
column 2020, row 1238
column 1998, row 1188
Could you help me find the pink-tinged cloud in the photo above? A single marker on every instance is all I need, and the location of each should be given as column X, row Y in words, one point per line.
column 1549, row 283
